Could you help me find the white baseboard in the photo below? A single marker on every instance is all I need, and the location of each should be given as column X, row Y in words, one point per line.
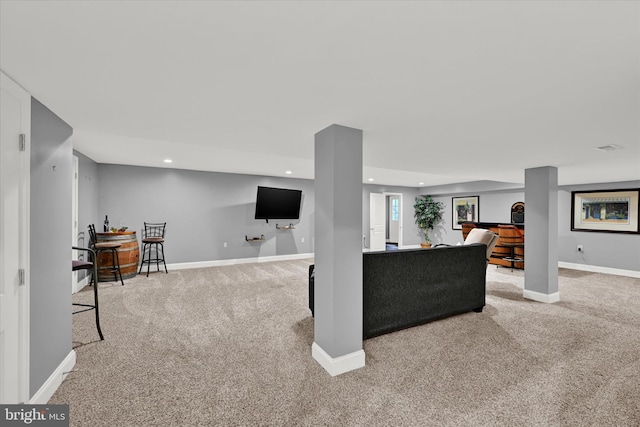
column 222, row 262
column 540, row 297
column 50, row 386
column 77, row 287
column 597, row 269
column 338, row 365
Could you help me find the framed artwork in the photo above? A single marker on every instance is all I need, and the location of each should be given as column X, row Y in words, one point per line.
column 464, row 209
column 609, row 211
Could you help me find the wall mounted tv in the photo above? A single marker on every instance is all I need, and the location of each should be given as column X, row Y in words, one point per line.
column 278, row 203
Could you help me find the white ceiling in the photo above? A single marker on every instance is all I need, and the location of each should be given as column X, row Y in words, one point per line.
column 445, row 92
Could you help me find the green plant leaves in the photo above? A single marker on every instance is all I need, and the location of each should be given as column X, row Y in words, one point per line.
column 428, row 213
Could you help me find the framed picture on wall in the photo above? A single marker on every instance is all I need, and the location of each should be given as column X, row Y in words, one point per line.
column 608, row 211
column 464, row 209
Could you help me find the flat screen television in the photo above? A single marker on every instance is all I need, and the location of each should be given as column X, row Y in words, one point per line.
column 278, row 203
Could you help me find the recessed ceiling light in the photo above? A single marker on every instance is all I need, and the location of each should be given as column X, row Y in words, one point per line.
column 610, row 147
column 421, row 183
column 168, row 161
column 288, row 172
column 370, row 179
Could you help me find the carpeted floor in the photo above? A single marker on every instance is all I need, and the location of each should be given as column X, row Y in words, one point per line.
column 231, row 346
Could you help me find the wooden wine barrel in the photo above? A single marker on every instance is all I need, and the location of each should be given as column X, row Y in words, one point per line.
column 128, row 255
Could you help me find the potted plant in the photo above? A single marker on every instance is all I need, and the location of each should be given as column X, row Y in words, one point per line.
column 428, row 213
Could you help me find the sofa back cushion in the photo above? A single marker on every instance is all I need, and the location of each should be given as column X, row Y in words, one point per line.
column 406, row 288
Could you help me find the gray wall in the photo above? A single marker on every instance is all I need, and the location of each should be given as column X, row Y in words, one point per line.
column 202, row 210
column 218, row 204
column 621, row 251
column 50, row 244
column 223, row 203
column 600, row 249
column 221, row 206
column 493, row 207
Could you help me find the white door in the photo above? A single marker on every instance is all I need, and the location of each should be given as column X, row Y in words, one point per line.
column 15, row 116
column 378, row 222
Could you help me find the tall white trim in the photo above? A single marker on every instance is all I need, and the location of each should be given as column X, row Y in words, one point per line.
column 598, row 269
column 25, row 239
column 23, row 226
column 377, row 221
column 222, row 262
column 540, row 297
column 338, row 365
column 74, row 221
column 52, row 383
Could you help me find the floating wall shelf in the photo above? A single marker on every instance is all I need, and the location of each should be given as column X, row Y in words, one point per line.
column 254, row 239
column 285, row 227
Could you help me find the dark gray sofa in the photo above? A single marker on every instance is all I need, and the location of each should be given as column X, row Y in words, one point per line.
column 411, row 287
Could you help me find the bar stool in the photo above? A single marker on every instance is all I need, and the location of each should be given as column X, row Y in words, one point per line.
column 102, row 247
column 512, row 238
column 77, row 265
column 153, row 238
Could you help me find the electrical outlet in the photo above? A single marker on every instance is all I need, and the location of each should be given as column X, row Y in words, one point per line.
column 224, row 244
column 580, row 248
column 302, row 239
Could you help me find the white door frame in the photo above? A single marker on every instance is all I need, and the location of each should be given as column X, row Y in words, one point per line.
column 74, row 221
column 19, row 393
column 399, row 195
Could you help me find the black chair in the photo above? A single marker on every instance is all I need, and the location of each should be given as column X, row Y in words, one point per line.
column 108, row 247
column 91, row 267
column 153, row 239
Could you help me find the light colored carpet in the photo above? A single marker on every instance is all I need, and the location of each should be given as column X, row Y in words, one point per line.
column 231, row 346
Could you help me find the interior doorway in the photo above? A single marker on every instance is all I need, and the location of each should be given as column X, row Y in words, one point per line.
column 385, row 230
column 394, row 220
